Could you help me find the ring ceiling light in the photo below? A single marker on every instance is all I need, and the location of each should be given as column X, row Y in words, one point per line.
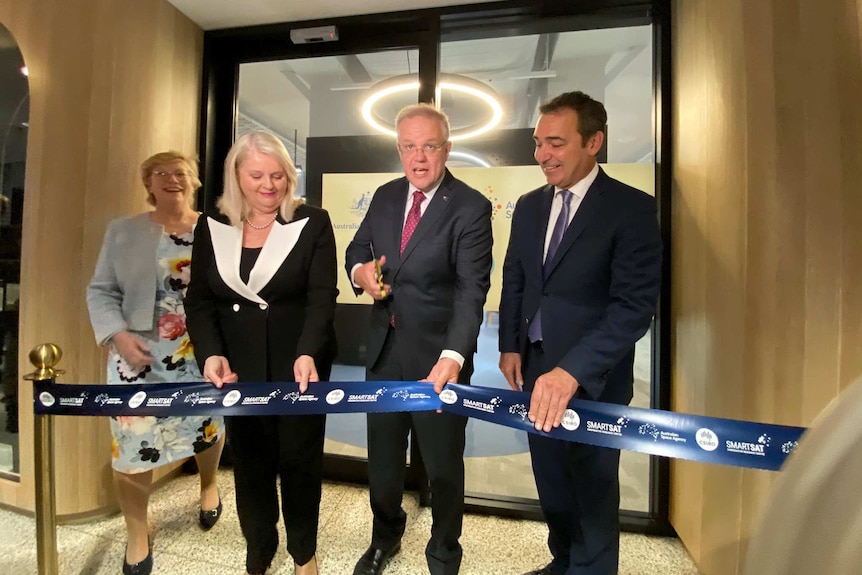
column 455, row 83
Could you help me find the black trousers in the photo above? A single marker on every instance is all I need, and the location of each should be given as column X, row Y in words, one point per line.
column 579, row 492
column 264, row 449
column 441, row 442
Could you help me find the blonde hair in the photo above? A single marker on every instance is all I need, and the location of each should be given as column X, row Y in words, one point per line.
column 232, row 202
column 148, row 165
column 425, row 111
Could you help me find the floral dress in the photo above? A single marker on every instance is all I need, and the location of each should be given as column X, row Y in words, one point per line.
column 144, row 443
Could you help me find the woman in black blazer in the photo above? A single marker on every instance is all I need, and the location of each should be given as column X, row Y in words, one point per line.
column 260, row 307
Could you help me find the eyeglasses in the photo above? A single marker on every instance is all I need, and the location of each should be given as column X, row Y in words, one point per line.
column 429, row 149
column 179, row 174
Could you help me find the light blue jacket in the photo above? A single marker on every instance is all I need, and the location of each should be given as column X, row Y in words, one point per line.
column 122, row 294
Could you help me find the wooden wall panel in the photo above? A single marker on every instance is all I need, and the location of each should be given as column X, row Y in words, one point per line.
column 111, row 82
column 767, row 227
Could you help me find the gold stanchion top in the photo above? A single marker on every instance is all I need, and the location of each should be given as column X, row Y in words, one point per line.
column 44, row 357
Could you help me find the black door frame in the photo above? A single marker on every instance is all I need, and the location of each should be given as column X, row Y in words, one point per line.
column 225, row 50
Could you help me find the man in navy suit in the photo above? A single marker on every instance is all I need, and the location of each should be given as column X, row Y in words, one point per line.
column 581, row 282
column 432, row 234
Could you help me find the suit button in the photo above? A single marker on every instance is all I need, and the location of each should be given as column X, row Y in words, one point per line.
column 544, row 293
column 263, row 306
column 236, row 307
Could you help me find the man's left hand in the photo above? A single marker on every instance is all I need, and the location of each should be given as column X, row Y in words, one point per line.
column 445, row 371
column 551, row 395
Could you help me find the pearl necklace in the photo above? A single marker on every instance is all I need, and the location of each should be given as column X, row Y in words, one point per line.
column 264, row 226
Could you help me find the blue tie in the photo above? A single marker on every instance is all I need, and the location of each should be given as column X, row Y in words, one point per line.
column 534, row 332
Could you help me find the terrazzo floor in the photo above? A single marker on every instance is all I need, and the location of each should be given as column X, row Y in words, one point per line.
column 492, row 545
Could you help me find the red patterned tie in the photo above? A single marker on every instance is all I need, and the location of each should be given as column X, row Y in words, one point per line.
column 413, row 217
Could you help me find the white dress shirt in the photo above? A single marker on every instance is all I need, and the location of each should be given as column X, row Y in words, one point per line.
column 579, row 190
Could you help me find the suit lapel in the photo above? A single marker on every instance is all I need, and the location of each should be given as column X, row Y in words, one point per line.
column 396, row 216
column 583, row 216
column 439, row 203
column 280, row 242
column 227, row 247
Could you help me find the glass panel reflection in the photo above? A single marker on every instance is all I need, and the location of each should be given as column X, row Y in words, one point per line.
column 14, row 114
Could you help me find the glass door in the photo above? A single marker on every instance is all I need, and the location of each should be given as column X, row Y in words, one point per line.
column 333, row 104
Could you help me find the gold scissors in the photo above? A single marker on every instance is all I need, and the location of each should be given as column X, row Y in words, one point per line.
column 378, row 273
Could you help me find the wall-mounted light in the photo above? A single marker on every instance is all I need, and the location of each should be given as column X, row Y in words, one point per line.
column 470, row 158
column 448, row 82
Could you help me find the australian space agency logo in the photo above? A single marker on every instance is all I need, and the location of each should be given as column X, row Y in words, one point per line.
column 295, row 396
column 448, row 396
column 359, row 206
column 195, row 398
column 653, row 431
column 519, row 409
column 404, row 395
column 571, row 420
column 706, row 439
column 649, row 429
column 46, row 399
column 104, row 399
column 136, row 400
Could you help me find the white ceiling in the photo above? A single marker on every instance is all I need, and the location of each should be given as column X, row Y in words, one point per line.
column 215, row 14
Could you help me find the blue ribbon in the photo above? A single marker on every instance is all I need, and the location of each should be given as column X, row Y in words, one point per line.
column 652, row 431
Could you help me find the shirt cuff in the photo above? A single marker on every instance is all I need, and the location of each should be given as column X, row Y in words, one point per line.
column 451, row 354
column 353, row 271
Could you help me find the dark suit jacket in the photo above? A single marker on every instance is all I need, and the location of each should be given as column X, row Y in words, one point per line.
column 602, row 289
column 440, row 282
column 286, row 310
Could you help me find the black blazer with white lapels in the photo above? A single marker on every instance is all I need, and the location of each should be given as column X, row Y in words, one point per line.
column 287, row 308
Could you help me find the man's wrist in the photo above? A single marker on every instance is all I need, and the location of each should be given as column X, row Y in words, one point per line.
column 452, row 354
column 352, row 275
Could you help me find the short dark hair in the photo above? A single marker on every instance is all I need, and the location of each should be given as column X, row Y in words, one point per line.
column 592, row 116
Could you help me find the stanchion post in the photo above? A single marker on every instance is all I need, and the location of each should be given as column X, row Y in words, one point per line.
column 44, row 357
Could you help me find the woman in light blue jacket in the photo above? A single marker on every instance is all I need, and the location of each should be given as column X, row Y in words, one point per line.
column 136, row 308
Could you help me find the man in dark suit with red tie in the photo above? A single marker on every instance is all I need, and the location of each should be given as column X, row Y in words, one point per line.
column 432, row 234
column 581, row 282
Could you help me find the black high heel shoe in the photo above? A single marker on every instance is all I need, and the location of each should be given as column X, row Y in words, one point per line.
column 209, row 518
column 144, row 567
